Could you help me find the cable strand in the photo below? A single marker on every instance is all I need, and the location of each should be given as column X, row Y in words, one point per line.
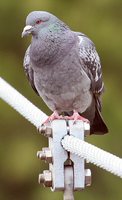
column 93, row 154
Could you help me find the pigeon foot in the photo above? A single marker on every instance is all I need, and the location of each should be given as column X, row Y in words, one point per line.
column 52, row 117
column 76, row 117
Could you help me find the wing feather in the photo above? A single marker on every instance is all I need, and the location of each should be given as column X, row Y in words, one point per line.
column 28, row 69
column 92, row 65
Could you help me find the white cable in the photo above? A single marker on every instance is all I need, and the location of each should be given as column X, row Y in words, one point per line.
column 93, row 154
column 87, row 151
column 21, row 104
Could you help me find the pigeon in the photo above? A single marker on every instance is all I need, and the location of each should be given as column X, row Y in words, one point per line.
column 64, row 69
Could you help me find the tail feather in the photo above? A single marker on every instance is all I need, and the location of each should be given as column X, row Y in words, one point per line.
column 98, row 126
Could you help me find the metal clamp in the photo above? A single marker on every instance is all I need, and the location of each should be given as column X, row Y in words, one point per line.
column 63, row 164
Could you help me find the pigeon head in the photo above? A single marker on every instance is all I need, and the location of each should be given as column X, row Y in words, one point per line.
column 36, row 21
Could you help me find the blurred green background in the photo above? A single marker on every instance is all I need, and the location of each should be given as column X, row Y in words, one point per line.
column 19, row 141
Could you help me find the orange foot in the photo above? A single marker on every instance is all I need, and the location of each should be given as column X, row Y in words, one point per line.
column 76, row 117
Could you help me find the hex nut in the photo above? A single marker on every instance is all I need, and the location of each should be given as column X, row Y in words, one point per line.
column 45, row 130
column 42, row 129
column 48, row 155
column 87, row 177
column 45, row 154
column 46, row 178
column 86, row 128
column 48, row 131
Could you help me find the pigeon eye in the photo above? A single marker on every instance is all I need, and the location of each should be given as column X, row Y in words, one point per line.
column 38, row 21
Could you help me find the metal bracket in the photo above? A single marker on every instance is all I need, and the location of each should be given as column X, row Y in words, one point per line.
column 77, row 130
column 59, row 130
column 64, row 165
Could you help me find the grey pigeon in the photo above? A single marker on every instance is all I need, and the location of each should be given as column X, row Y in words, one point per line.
column 63, row 67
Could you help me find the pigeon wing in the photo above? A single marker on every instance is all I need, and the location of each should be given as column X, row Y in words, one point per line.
column 28, row 69
column 91, row 65
column 90, row 62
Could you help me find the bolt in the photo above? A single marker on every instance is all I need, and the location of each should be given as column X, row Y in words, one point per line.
column 46, row 178
column 41, row 178
column 87, row 177
column 45, row 154
column 41, row 155
column 45, row 130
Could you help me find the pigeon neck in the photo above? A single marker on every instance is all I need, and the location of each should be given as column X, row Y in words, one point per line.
column 52, row 45
column 57, row 27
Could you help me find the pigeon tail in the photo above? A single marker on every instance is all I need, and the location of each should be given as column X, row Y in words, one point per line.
column 98, row 127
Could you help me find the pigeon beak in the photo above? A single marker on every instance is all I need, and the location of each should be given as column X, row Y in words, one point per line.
column 27, row 30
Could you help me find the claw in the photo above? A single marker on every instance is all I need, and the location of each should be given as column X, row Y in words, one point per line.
column 76, row 117
column 42, row 129
column 55, row 115
column 52, row 117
